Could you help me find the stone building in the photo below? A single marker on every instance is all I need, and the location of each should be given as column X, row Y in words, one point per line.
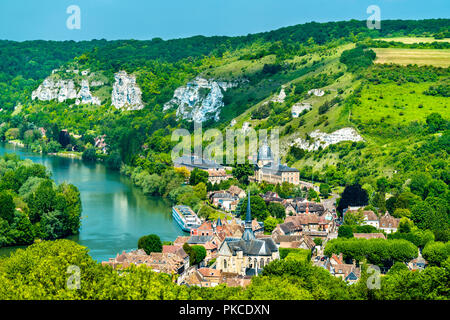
column 269, row 169
column 246, row 256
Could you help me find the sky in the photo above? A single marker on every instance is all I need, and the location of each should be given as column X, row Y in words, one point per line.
column 145, row 19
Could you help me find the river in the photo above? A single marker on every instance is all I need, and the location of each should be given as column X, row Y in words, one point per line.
column 115, row 212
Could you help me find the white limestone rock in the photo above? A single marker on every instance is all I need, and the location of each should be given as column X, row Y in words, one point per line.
column 316, row 92
column 298, row 108
column 126, row 95
column 85, row 96
column 199, row 100
column 62, row 90
column 321, row 139
column 281, row 96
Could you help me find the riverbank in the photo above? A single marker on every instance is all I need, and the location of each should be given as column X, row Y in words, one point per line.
column 115, row 212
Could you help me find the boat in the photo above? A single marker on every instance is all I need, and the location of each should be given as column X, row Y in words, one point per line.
column 185, row 218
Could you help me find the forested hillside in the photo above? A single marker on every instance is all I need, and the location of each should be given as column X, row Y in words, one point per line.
column 393, row 118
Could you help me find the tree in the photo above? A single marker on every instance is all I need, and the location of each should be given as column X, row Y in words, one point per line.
column 436, row 252
column 150, row 243
column 419, row 183
column 7, row 206
column 318, row 241
column 198, row 176
column 270, row 223
column 435, row 122
column 353, row 195
column 277, row 210
column 42, row 200
column 257, row 206
column 345, row 231
column 89, row 154
column 405, row 225
column 200, row 190
column 242, row 172
column 325, row 190
column 196, row 253
column 352, row 218
column 114, row 161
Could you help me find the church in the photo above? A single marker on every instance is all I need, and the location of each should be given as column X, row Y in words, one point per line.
column 247, row 255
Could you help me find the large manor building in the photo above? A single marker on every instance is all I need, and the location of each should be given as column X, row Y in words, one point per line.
column 247, row 255
column 269, row 169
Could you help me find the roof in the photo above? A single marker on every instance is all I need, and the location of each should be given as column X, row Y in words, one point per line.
column 175, row 249
column 199, row 239
column 388, row 221
column 287, row 238
column 196, row 162
column 209, row 272
column 181, row 240
column 253, row 247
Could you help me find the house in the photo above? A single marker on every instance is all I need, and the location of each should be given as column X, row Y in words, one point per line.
column 246, row 256
column 388, row 223
column 210, row 243
column 236, row 192
column 171, row 263
column 181, row 240
column 370, row 217
column 287, row 228
column 279, row 239
column 269, row 169
column 418, row 263
column 309, row 222
column 348, row 272
column 217, row 176
column 179, row 251
column 210, row 277
column 205, row 229
column 257, row 227
column 224, row 200
column 270, row 196
column 303, row 242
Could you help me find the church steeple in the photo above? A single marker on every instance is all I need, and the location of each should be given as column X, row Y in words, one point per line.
column 248, row 231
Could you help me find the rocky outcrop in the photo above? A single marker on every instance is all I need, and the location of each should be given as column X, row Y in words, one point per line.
column 84, row 96
column 321, row 139
column 62, row 90
column 126, row 95
column 316, row 92
column 199, row 100
column 298, row 108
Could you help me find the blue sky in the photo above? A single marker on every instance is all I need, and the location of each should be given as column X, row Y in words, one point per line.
column 144, row 19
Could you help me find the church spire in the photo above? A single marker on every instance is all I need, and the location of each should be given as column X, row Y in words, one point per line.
column 249, row 214
column 248, row 231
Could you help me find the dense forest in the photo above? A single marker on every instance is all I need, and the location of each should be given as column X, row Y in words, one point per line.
column 32, row 206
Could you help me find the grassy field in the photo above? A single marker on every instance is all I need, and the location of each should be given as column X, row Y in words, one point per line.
column 396, row 104
column 410, row 40
column 435, row 57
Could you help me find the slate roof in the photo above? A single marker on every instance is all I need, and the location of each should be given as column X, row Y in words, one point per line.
column 196, row 162
column 253, row 247
column 199, row 239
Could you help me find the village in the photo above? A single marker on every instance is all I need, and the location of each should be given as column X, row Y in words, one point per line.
column 238, row 246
